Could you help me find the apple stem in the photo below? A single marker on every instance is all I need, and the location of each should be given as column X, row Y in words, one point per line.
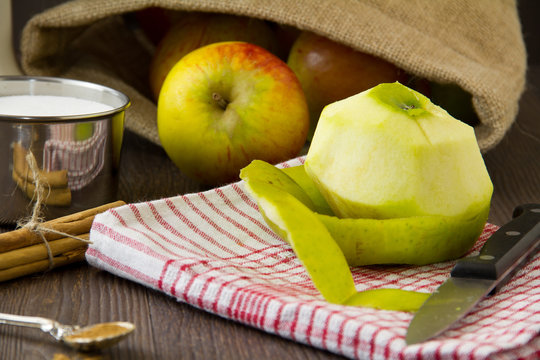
column 222, row 103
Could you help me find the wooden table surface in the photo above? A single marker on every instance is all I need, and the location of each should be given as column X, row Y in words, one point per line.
column 167, row 329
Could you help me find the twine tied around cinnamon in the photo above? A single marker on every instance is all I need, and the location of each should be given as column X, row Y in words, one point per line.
column 34, row 221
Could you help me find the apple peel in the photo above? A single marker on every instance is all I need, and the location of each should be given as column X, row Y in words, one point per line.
column 300, row 177
column 417, row 240
column 301, row 227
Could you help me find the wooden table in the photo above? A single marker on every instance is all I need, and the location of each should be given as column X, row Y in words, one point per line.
column 167, row 329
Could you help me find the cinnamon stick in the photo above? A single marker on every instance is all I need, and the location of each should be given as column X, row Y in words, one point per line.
column 22, row 251
column 39, row 251
column 73, row 224
column 69, row 257
column 85, row 213
column 23, row 237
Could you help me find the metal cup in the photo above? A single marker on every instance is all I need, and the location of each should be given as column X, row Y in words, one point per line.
column 73, row 159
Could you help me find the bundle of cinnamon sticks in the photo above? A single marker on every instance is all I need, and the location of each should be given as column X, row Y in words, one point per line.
column 23, row 251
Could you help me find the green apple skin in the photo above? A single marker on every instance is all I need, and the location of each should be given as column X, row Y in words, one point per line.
column 262, row 171
column 388, row 299
column 389, row 152
column 300, row 177
column 298, row 226
column 194, row 30
column 415, row 240
column 330, row 71
column 279, row 204
column 226, row 104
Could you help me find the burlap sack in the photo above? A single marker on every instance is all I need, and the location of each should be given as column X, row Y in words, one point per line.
column 476, row 44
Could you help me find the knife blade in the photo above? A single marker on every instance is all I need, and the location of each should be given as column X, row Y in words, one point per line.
column 476, row 277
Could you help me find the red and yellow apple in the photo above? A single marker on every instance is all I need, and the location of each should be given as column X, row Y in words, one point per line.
column 194, row 30
column 330, row 71
column 226, row 104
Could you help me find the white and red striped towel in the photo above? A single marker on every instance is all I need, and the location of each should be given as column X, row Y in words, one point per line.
column 214, row 251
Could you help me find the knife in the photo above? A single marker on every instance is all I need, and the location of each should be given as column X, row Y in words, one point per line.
column 475, row 277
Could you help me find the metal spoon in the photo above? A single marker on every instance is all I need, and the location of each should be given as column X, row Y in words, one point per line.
column 93, row 337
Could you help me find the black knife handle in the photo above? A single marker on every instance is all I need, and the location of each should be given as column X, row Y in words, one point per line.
column 508, row 248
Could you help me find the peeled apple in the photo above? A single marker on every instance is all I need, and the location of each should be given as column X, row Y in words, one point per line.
column 388, row 152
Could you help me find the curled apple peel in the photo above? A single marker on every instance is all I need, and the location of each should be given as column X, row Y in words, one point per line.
column 288, row 210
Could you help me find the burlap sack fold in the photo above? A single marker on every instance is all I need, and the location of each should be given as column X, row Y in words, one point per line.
column 476, row 44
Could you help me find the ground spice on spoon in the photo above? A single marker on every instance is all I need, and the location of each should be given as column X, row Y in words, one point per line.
column 98, row 331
